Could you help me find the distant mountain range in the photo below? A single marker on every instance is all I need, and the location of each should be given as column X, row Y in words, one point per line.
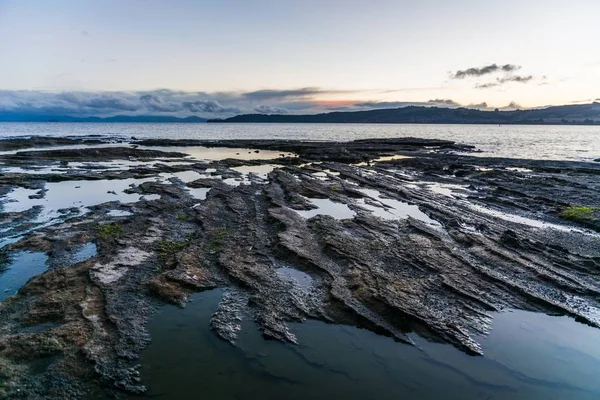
column 579, row 114
column 20, row 117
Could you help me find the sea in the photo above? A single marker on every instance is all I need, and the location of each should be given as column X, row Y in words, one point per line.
column 546, row 142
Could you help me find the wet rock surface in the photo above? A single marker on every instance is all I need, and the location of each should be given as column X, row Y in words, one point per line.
column 354, row 151
column 45, row 141
column 430, row 242
column 96, row 153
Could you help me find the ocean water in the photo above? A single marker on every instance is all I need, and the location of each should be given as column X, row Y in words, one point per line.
column 517, row 141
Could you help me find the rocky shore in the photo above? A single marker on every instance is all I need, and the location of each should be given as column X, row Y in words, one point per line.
column 397, row 236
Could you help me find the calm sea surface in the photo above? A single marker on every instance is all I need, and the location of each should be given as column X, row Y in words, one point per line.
column 517, row 141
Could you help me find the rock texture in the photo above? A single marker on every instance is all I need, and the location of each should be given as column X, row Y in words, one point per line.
column 437, row 241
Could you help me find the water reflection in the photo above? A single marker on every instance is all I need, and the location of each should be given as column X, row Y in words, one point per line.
column 528, row 356
column 119, row 213
column 22, row 267
column 221, row 153
column 72, row 194
column 393, row 209
column 327, row 207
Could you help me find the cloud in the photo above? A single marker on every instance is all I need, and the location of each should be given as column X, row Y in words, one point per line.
column 446, row 102
column 383, row 104
column 155, row 103
column 104, row 101
column 273, row 94
column 486, row 70
column 203, row 104
column 503, row 80
column 112, row 103
column 412, row 89
column 342, row 108
column 512, row 106
column 480, row 106
column 516, row 78
column 209, row 106
column 300, row 106
column 181, row 103
column 265, row 109
column 397, row 104
column 506, row 71
column 486, row 85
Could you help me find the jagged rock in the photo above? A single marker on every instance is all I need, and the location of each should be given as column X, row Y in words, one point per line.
column 426, row 250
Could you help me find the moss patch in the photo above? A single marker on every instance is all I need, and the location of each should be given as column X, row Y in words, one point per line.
column 579, row 213
column 168, row 248
column 217, row 241
column 109, row 231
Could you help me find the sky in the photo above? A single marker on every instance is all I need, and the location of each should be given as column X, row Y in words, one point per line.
column 225, row 57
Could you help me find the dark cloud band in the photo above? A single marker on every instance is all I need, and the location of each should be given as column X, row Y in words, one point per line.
column 272, row 94
column 184, row 104
column 486, row 70
column 503, row 80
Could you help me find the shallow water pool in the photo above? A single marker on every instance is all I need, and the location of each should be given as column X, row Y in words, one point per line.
column 527, row 356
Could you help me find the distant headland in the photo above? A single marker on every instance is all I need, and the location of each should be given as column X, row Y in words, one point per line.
column 579, row 114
